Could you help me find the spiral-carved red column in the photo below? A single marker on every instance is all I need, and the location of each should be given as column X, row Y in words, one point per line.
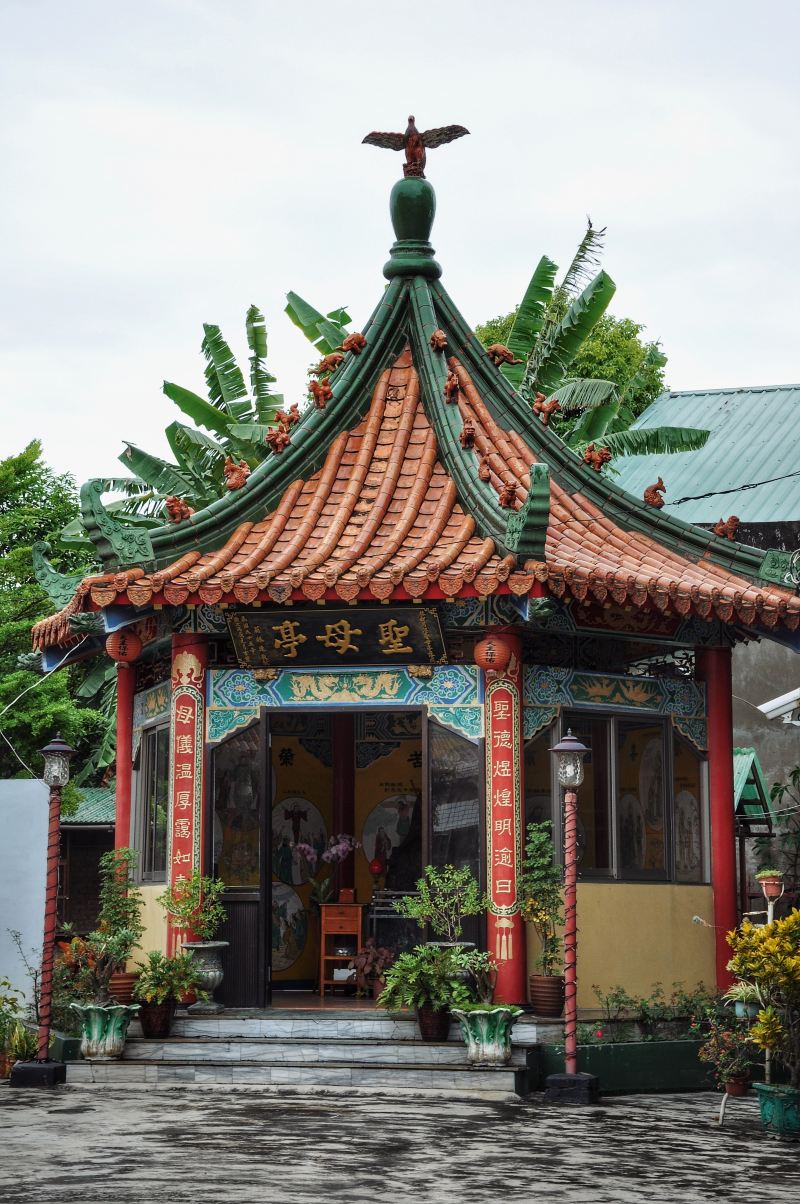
column 50, row 920
column 571, row 932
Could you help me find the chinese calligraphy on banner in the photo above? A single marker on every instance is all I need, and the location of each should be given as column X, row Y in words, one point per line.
column 330, row 636
column 187, row 767
column 504, row 832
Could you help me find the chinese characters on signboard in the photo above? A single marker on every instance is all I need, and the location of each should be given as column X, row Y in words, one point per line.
column 325, row 636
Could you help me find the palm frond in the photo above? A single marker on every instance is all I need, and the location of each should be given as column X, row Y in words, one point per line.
column 584, row 262
column 223, row 375
column 556, row 349
column 581, row 394
column 529, row 319
column 654, row 441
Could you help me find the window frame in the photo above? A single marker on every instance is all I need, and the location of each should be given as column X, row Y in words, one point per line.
column 150, row 731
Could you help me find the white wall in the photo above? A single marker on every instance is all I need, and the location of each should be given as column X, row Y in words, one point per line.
column 23, row 859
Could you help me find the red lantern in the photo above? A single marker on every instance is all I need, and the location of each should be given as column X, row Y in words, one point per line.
column 492, row 653
column 377, row 867
column 123, row 646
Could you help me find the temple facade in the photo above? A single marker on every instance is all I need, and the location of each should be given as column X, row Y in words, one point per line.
column 381, row 631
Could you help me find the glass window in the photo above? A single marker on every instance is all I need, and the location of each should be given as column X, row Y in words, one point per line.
column 687, row 793
column 538, row 777
column 153, row 788
column 641, row 793
column 237, row 811
column 594, row 795
column 455, row 768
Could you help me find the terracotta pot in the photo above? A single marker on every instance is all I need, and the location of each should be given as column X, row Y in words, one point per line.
column 547, row 994
column 188, row 998
column 771, row 887
column 121, row 986
column 434, row 1025
column 156, row 1018
column 737, row 1086
column 6, row 1062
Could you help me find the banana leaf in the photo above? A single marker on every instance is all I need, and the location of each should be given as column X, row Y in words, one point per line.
column 325, row 333
column 223, row 375
column 582, row 394
column 340, row 317
column 529, row 319
column 158, row 473
column 584, row 261
column 653, row 358
column 201, row 412
column 260, row 377
column 654, row 441
column 555, row 352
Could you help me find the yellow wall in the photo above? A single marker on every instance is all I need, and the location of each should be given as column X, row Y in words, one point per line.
column 635, row 935
column 155, row 922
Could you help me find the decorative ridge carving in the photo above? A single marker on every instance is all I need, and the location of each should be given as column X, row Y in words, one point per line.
column 115, row 542
column 59, row 587
column 526, row 529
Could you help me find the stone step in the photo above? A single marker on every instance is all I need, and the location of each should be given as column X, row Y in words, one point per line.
column 468, row 1082
column 283, row 1024
column 302, row 1052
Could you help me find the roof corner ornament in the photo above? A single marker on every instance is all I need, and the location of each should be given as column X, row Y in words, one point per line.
column 781, row 568
column 438, row 340
column 598, row 456
column 114, row 541
column 526, row 528
column 415, row 144
column 235, row 474
column 545, row 409
column 499, row 354
column 59, row 587
column 652, row 494
column 726, row 527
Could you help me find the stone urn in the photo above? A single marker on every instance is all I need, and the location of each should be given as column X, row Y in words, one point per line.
column 487, row 1032
column 207, row 958
column 104, row 1029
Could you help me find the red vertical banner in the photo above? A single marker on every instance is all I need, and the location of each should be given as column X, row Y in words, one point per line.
column 184, row 844
column 504, row 829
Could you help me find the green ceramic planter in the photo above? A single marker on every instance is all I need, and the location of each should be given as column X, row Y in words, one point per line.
column 104, row 1029
column 487, row 1034
column 780, row 1109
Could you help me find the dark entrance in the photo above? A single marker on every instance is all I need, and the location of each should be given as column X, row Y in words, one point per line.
column 405, row 786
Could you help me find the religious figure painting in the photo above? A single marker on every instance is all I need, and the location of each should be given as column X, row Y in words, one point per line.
column 289, row 926
column 688, row 846
column 632, row 834
column 387, row 826
column 295, row 821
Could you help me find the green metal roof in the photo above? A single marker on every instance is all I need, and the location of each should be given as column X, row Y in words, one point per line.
column 96, row 807
column 754, row 437
column 750, row 793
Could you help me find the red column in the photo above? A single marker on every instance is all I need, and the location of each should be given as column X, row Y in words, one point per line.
column 50, row 916
column 126, row 688
column 187, row 728
column 344, row 786
column 571, row 932
column 504, row 828
column 714, row 668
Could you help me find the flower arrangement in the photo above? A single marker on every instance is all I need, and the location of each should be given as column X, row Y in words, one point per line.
column 338, row 850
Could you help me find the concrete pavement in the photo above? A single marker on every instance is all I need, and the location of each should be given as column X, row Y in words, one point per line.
column 84, row 1145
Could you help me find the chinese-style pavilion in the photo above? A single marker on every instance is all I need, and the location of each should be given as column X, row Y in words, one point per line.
column 298, row 659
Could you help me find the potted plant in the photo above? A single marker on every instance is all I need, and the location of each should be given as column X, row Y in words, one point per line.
column 161, row 984
column 87, row 964
column 541, row 890
column 120, row 908
column 444, row 898
column 10, row 1009
column 771, row 882
column 745, row 998
column 430, row 979
column 768, row 956
column 195, row 905
column 485, row 1026
column 729, row 1051
column 370, row 964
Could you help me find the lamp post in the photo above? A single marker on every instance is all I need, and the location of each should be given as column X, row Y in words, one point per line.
column 42, row 1072
column 772, row 889
column 570, row 1087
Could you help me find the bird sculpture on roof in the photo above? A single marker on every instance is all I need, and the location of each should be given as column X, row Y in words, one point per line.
column 414, row 143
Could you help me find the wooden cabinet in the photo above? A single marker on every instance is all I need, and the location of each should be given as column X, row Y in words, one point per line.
column 340, row 940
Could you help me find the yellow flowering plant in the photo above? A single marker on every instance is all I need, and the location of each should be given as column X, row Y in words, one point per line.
column 769, row 957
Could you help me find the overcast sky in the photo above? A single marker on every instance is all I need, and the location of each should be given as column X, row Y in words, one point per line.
column 168, row 162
